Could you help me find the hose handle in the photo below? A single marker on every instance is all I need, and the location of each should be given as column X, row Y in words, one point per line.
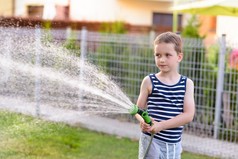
column 146, row 117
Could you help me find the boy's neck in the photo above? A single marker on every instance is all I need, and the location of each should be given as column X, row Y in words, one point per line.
column 168, row 78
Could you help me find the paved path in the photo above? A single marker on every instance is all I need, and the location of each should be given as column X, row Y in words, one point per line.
column 190, row 143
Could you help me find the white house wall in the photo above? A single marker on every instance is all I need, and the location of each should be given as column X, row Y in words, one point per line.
column 21, row 5
column 132, row 11
column 140, row 12
column 93, row 10
column 6, row 9
column 137, row 12
column 227, row 25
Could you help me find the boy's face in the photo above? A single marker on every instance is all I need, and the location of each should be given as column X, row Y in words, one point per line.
column 166, row 58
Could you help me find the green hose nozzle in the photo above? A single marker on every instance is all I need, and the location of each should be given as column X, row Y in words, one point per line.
column 144, row 114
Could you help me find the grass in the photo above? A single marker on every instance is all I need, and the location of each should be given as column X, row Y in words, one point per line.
column 25, row 137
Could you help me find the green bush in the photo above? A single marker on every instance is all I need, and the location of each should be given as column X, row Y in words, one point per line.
column 191, row 30
column 117, row 27
column 130, row 66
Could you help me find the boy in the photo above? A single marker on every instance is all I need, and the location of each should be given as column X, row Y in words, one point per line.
column 169, row 100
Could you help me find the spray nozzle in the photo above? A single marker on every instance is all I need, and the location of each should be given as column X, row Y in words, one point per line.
column 144, row 114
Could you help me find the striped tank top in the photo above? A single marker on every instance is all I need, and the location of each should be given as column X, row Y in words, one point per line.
column 166, row 102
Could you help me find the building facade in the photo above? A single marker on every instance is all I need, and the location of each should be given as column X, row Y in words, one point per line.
column 134, row 12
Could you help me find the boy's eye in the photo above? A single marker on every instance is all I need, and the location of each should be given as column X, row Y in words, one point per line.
column 157, row 55
column 168, row 55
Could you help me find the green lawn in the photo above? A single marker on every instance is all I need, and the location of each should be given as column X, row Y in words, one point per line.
column 24, row 137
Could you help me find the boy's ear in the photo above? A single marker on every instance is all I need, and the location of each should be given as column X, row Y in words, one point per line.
column 180, row 57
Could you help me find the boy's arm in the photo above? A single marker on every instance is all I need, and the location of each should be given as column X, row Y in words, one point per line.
column 145, row 90
column 183, row 118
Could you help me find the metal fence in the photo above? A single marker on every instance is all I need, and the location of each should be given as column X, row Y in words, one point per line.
column 127, row 59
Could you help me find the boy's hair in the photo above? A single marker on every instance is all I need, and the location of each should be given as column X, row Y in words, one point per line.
column 170, row 37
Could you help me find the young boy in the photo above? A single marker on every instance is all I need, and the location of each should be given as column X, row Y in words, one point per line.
column 169, row 100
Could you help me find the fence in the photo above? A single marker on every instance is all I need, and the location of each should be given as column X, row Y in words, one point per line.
column 129, row 58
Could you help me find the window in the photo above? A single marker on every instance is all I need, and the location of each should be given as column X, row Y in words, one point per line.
column 164, row 21
column 62, row 12
column 35, row 11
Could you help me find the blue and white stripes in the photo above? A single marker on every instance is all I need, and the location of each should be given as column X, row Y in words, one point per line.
column 166, row 102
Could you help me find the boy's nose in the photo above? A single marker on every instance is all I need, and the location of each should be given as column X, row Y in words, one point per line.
column 162, row 59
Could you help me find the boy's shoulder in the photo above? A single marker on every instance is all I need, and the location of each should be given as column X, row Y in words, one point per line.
column 186, row 77
column 188, row 81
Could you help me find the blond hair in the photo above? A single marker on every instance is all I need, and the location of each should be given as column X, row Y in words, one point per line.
column 170, row 37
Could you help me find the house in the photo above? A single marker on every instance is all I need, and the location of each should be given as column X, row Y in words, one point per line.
column 153, row 13
column 217, row 17
column 7, row 8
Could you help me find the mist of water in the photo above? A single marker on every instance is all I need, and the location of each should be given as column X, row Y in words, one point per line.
column 49, row 75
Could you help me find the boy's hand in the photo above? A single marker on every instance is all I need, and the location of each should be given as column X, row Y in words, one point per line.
column 156, row 127
column 144, row 126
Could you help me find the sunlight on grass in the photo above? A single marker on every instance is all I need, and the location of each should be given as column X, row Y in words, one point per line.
column 24, row 137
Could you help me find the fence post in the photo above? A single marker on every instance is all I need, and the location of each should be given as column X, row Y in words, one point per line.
column 83, row 51
column 37, row 67
column 219, row 85
column 152, row 37
column 68, row 33
column 7, row 54
column 83, row 44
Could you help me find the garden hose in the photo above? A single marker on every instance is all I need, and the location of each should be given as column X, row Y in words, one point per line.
column 145, row 116
column 148, row 147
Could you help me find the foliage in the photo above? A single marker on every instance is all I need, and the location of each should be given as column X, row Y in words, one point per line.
column 231, row 76
column 191, row 30
column 72, row 42
column 117, row 27
column 104, row 57
column 194, row 57
column 47, row 26
column 213, row 54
